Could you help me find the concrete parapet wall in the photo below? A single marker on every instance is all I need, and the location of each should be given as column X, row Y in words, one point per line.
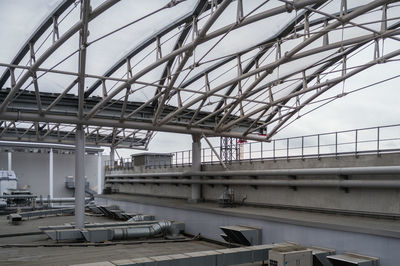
column 353, row 199
column 32, row 170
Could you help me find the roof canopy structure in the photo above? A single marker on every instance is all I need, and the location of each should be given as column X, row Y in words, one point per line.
column 243, row 69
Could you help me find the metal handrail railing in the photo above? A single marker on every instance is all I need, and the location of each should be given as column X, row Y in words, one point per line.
column 371, row 140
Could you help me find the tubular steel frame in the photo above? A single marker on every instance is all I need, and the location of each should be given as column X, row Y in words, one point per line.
column 362, row 141
column 247, row 106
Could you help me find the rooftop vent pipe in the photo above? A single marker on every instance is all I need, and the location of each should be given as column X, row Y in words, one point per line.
column 100, row 234
column 139, row 232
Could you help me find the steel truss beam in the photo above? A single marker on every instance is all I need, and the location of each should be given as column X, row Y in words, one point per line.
column 110, row 122
column 187, row 47
column 28, row 133
column 107, row 118
column 46, row 24
column 185, row 19
column 266, row 69
column 66, row 36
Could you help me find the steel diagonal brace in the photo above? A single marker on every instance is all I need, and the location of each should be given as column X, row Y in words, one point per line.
column 269, row 13
column 46, row 24
column 298, row 56
column 357, row 40
column 143, row 45
column 214, row 151
column 66, row 36
column 345, row 19
column 188, row 54
column 325, row 86
column 300, row 4
column 334, row 82
column 199, row 9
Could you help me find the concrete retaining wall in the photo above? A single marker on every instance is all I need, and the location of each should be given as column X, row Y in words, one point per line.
column 367, row 200
column 32, row 170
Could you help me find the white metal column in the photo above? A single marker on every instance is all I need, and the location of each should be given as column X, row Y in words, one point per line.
column 196, row 166
column 112, row 157
column 99, row 175
column 80, row 178
column 51, row 173
column 9, row 161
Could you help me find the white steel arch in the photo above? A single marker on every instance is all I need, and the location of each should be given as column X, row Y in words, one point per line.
column 180, row 79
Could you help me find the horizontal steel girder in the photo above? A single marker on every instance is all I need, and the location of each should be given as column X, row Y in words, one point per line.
column 25, row 107
column 113, row 122
column 376, row 170
column 68, row 137
column 387, row 184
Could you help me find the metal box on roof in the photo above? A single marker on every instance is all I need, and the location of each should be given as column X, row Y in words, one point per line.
column 152, row 159
column 241, row 234
column 294, row 255
column 320, row 256
column 353, row 259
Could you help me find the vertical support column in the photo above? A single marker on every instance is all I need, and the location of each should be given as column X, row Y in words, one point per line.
column 112, row 157
column 80, row 134
column 51, row 174
column 9, row 161
column 196, row 167
column 99, row 175
column 79, row 177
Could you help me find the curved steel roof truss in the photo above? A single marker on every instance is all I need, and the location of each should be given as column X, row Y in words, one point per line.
column 254, row 91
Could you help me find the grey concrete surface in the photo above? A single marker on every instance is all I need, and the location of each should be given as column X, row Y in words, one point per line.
column 67, row 255
column 32, row 169
column 367, row 200
column 76, row 255
column 33, row 224
column 374, row 237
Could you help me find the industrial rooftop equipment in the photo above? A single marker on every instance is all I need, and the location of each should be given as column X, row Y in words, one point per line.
column 152, row 159
column 295, row 255
column 349, row 259
column 242, row 235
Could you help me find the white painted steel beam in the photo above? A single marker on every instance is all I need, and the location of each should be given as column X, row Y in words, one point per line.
column 9, row 161
column 66, row 36
column 80, row 178
column 99, row 173
column 108, row 122
column 51, row 173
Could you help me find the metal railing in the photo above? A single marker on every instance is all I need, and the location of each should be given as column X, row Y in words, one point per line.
column 372, row 140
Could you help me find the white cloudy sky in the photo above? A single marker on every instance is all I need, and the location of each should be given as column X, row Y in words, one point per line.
column 374, row 106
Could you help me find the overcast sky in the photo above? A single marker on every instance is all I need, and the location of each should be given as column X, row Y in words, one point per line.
column 374, row 106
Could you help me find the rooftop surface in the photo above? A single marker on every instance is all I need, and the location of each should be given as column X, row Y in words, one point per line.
column 352, row 223
column 37, row 249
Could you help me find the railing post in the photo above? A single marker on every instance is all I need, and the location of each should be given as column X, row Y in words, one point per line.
column 336, row 144
column 302, row 147
column 377, row 141
column 183, row 156
column 238, row 149
column 287, row 149
column 318, row 146
column 250, row 151
column 261, row 144
column 273, row 150
column 356, row 142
